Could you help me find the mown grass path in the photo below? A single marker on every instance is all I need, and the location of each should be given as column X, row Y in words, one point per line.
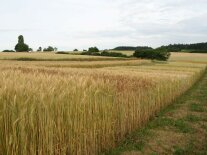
column 180, row 129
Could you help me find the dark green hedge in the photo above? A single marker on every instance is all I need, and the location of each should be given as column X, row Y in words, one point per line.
column 153, row 54
column 104, row 53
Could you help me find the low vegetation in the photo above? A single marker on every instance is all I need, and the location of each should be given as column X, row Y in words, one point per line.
column 49, row 49
column 105, row 53
column 93, row 50
column 154, row 54
column 63, row 110
column 113, row 54
column 8, row 51
column 62, row 52
column 131, row 48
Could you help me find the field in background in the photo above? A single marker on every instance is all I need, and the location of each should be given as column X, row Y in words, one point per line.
column 51, row 56
column 178, row 56
column 189, row 57
column 75, row 64
column 128, row 53
column 64, row 107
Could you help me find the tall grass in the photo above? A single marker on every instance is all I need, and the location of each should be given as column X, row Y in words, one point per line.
column 82, row 111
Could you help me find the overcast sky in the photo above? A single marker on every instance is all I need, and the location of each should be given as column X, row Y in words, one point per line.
column 69, row 24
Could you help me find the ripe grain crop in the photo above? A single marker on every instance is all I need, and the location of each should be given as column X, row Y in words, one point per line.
column 62, row 110
column 51, row 56
column 189, row 57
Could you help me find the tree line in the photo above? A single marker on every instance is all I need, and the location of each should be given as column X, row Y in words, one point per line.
column 21, row 46
column 161, row 53
column 193, row 48
column 131, row 48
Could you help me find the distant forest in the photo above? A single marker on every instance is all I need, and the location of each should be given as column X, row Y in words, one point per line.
column 192, row 48
column 131, row 48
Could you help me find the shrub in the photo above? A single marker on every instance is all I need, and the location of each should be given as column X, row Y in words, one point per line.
column 154, row 54
column 49, row 49
column 91, row 53
column 75, row 50
column 93, row 49
column 8, row 51
column 39, row 49
column 30, row 50
column 145, row 54
column 104, row 53
column 162, row 54
column 61, row 52
column 22, row 48
column 112, row 54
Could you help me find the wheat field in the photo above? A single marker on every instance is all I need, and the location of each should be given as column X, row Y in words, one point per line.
column 84, row 107
column 51, row 56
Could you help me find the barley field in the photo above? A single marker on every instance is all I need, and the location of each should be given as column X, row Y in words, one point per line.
column 84, row 107
column 51, row 56
column 189, row 57
column 128, row 53
column 178, row 56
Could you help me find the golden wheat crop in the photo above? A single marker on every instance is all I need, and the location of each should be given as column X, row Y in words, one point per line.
column 189, row 57
column 51, row 56
column 75, row 64
column 47, row 108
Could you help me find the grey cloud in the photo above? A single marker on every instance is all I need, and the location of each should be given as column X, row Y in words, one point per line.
column 104, row 34
column 70, row 23
column 17, row 30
